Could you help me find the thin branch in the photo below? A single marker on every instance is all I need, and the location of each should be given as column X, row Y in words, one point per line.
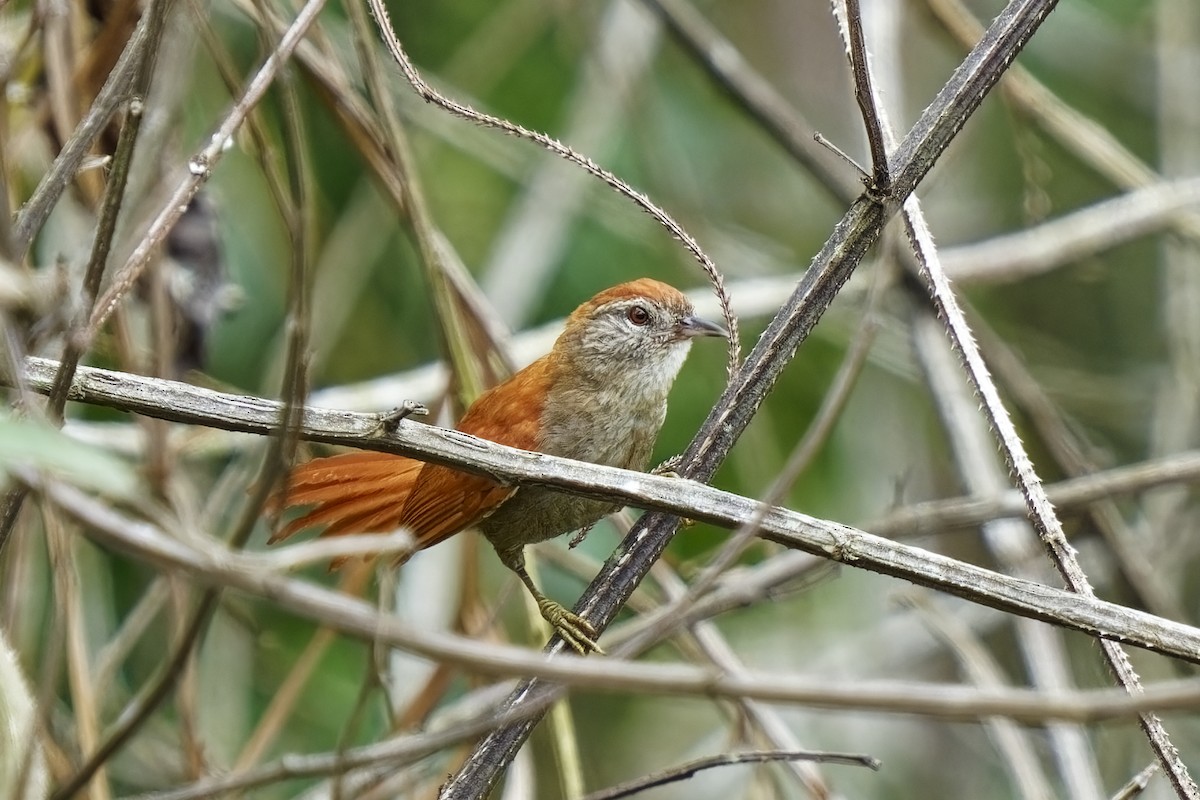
column 935, row 516
column 987, row 61
column 201, row 165
column 294, row 388
column 392, row 753
column 1129, row 546
column 558, row 148
column 63, row 548
column 138, row 711
column 315, row 551
column 1074, row 236
column 770, row 725
column 66, row 164
column 1137, row 784
column 142, row 66
column 538, row 225
column 110, row 656
column 1008, row 541
column 1042, row 514
column 1175, row 407
column 110, row 209
column 1083, row 136
column 689, row 769
column 864, row 95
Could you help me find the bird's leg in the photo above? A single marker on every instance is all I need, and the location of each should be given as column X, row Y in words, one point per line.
column 574, row 629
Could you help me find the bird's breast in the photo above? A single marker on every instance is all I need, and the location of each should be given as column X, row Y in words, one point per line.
column 612, row 423
column 603, row 426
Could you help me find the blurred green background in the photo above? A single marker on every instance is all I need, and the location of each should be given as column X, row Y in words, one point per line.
column 1108, row 338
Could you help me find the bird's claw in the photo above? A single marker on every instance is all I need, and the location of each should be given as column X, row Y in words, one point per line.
column 667, row 468
column 572, row 628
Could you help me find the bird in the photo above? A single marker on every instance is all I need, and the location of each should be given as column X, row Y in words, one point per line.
column 599, row 395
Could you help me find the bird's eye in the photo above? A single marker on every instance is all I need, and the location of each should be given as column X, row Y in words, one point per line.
column 638, row 315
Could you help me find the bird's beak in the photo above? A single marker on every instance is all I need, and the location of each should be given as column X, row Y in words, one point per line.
column 692, row 326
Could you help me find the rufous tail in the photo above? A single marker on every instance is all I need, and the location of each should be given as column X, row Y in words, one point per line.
column 352, row 493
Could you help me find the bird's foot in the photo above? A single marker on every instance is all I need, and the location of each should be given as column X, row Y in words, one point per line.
column 667, row 470
column 574, row 629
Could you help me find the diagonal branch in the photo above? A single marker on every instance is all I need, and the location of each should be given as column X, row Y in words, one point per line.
column 1041, row 512
column 830, row 269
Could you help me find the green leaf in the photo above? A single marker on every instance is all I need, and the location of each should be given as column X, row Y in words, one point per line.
column 29, row 444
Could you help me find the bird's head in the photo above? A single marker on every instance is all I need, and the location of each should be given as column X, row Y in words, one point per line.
column 642, row 329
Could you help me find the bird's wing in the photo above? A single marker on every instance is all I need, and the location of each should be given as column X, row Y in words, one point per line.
column 444, row 501
column 368, row 492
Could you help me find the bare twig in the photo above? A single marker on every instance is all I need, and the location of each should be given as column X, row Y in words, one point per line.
column 1045, row 521
column 1074, row 236
column 392, row 754
column 864, row 95
column 1042, row 513
column 1137, row 784
column 1176, row 403
column 144, row 704
column 1043, row 651
column 688, row 770
column 200, row 167
column 558, row 148
column 939, row 515
column 771, row 727
column 294, row 387
column 539, row 224
column 1007, row 540
column 63, row 549
column 1082, row 135
column 66, row 164
column 141, row 65
column 1128, row 543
